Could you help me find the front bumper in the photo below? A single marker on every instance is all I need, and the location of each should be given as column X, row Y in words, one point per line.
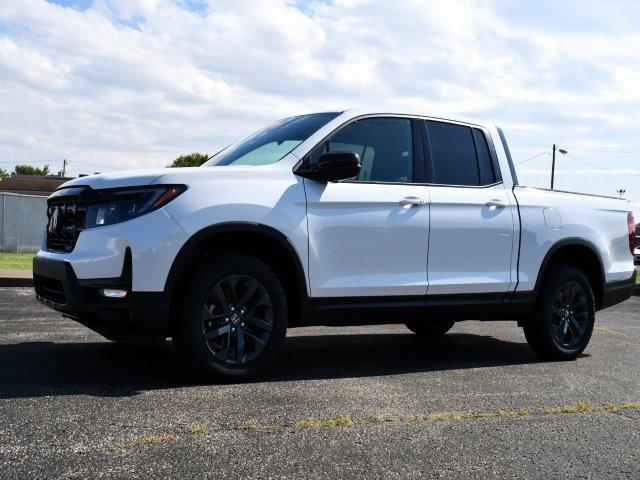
column 140, row 317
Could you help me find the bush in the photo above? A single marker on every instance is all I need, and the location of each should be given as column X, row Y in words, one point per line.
column 191, row 160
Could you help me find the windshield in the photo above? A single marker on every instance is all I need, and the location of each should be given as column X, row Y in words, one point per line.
column 273, row 142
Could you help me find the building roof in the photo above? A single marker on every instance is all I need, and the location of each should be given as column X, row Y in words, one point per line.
column 32, row 184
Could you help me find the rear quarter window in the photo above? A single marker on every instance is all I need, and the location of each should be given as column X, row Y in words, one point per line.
column 485, row 165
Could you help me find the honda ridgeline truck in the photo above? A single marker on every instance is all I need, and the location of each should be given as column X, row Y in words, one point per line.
column 341, row 218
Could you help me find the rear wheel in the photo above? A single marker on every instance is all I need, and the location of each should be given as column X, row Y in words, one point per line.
column 564, row 315
column 434, row 328
column 234, row 318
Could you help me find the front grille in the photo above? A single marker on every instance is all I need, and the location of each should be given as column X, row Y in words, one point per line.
column 65, row 222
column 49, row 289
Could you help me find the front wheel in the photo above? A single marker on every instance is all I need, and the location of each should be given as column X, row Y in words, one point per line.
column 564, row 315
column 234, row 318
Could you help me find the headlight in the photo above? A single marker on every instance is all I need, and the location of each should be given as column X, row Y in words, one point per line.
column 121, row 204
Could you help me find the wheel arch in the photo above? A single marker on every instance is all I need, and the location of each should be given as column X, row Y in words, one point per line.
column 267, row 243
column 579, row 253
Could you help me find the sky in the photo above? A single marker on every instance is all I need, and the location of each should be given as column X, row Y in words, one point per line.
column 123, row 84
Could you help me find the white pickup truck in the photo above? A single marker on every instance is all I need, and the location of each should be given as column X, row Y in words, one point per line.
column 341, row 218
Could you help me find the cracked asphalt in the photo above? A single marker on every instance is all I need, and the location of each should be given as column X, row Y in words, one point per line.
column 374, row 402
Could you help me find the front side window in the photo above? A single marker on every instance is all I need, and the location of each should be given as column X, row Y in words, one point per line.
column 384, row 145
column 459, row 155
column 273, row 142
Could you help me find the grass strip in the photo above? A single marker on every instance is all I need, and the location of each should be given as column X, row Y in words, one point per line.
column 16, row 261
column 347, row 421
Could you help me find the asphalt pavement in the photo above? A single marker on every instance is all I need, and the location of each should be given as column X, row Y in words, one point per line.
column 365, row 402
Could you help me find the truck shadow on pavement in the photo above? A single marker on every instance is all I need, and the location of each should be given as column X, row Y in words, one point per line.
column 36, row 369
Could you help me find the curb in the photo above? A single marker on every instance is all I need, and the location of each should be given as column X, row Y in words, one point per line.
column 16, row 282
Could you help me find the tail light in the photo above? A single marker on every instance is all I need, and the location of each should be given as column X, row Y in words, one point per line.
column 631, row 223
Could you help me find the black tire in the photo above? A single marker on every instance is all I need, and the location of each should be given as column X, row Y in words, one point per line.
column 243, row 335
column 433, row 328
column 563, row 319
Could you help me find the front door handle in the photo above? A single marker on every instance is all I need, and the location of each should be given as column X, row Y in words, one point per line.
column 495, row 204
column 411, row 201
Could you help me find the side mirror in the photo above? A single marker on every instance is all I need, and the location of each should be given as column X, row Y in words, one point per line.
column 334, row 166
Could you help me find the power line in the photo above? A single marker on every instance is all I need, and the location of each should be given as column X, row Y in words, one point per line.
column 20, row 162
column 601, row 167
column 535, row 156
column 582, row 161
column 606, row 151
column 90, row 164
column 50, row 162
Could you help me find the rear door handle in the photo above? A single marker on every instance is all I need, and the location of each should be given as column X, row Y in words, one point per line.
column 495, row 204
column 411, row 201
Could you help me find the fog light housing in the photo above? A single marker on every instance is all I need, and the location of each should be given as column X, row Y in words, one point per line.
column 113, row 292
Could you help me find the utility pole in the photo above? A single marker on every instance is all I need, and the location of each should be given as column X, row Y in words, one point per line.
column 553, row 162
column 64, row 168
column 553, row 165
column 621, row 192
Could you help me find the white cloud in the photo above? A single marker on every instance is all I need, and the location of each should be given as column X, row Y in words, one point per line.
column 135, row 83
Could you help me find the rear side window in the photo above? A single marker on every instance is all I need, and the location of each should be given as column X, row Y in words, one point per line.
column 459, row 155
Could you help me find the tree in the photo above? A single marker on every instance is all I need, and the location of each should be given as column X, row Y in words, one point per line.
column 191, row 160
column 29, row 170
column 3, row 174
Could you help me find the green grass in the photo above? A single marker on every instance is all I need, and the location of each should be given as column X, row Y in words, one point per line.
column 15, row 261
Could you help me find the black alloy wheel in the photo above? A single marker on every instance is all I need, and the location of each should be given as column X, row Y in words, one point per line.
column 237, row 319
column 562, row 322
column 233, row 317
column 570, row 314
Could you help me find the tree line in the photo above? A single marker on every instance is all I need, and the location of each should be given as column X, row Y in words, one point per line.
column 190, row 160
column 25, row 170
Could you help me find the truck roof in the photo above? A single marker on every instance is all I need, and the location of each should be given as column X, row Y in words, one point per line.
column 356, row 112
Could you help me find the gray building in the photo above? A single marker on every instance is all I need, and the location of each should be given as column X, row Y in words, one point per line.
column 23, row 211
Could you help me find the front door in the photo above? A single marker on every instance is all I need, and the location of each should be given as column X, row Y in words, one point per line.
column 368, row 236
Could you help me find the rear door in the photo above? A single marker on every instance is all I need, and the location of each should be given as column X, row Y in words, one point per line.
column 368, row 236
column 472, row 222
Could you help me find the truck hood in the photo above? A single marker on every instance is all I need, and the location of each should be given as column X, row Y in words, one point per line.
column 185, row 175
column 124, row 178
column 134, row 178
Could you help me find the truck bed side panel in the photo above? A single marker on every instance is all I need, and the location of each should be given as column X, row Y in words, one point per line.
column 549, row 217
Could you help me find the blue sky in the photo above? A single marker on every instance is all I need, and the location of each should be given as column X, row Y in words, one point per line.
column 76, row 4
column 120, row 84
